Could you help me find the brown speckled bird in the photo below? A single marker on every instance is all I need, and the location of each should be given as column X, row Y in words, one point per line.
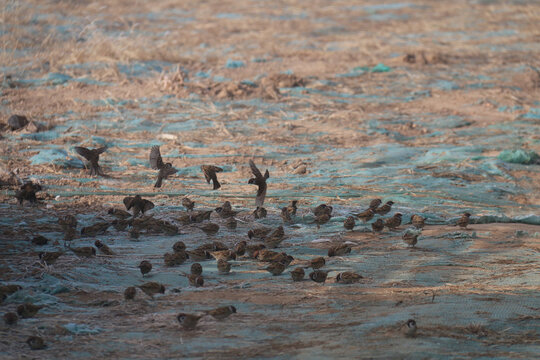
column 265, row 255
column 98, row 228
column 298, row 274
column 418, row 221
column 260, row 213
column 366, row 215
column 138, row 204
column 225, row 211
column 195, row 280
column 156, row 163
column 375, row 203
column 179, row 246
column 323, row 209
column 275, row 238
column 199, row 254
column 316, row 263
column 378, row 225
column 349, row 223
column 318, row 276
column 103, row 248
column 231, row 223
column 410, row 238
column 152, row 288
column 240, row 248
column 9, row 289
column 348, row 277
column 28, row 310
column 385, row 209
column 130, row 292
column 196, row 269
column 339, row 250
column 28, row 192
column 188, row 321
column 223, row 267
column 276, row 268
column 145, row 267
column 118, row 213
column 50, row 258
column 214, row 246
column 175, row 258
column 393, row 222
column 221, row 313
column 10, row 318
column 210, row 173
column 409, row 328
column 286, row 215
column 224, row 255
column 291, row 209
column 200, row 216
column 260, row 181
column 463, row 222
column 209, row 228
column 92, row 157
column 251, row 249
column 36, row 343
column 259, row 233
column 322, row 219
column 84, row 251
column 40, row 240
column 188, row 204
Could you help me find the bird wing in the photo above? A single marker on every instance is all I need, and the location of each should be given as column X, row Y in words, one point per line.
column 266, row 174
column 168, row 170
column 261, row 194
column 206, row 171
column 156, row 162
column 128, row 202
column 100, row 150
column 148, row 205
column 84, row 152
column 255, row 170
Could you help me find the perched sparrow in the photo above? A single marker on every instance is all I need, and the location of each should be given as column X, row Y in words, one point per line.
column 214, row 246
column 322, row 219
column 316, row 263
column 375, row 203
column 195, row 280
column 84, row 251
column 348, row 277
column 67, row 222
column 418, row 221
column 92, row 155
column 265, row 255
column 276, row 268
column 463, row 222
column 231, row 223
column 251, row 249
column 410, row 328
column 200, row 216
column 210, row 228
column 365, row 216
column 145, row 267
column 103, row 248
column 17, row 122
column 119, row 213
column 9, row 289
column 298, row 274
column 196, row 269
column 40, row 240
column 349, row 223
column 260, row 181
column 275, row 238
column 322, row 209
column 282, row 258
column 286, row 215
column 179, row 246
column 223, row 267
column 210, row 174
column 99, row 228
column 28, row 310
column 221, row 312
column 378, row 225
column 260, row 212
column 188, row 204
column 224, row 255
column 240, row 248
column 138, row 204
column 156, row 163
column 36, row 343
column 318, row 276
column 175, row 259
column 120, row 224
column 393, row 222
column 49, row 258
column 188, row 321
column 28, row 192
column 130, row 292
column 259, row 233
column 410, row 237
column 225, row 211
column 291, row 209
column 385, row 209
column 339, row 250
column 10, row 318
column 199, row 255
column 152, row 288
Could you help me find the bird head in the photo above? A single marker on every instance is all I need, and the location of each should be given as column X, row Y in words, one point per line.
column 98, row 244
column 467, row 214
column 411, row 323
column 390, row 202
column 251, row 181
column 232, row 309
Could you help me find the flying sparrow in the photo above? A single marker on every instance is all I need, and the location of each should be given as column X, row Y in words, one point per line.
column 221, row 312
column 92, row 156
column 10, row 318
column 393, row 222
column 410, row 328
column 298, row 274
column 188, row 321
column 260, row 212
column 145, row 267
column 339, row 250
column 188, row 204
column 36, row 343
column 316, row 263
column 260, row 181
column 28, row 310
column 129, row 293
column 138, row 204
column 210, row 174
column 223, row 267
column 196, row 269
column 152, row 288
column 318, row 276
column 156, row 163
column 463, row 222
column 349, row 223
column 385, row 209
column 348, row 277
column 418, row 221
column 103, row 248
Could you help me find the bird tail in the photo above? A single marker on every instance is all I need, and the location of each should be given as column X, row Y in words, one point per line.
column 158, row 182
column 217, row 185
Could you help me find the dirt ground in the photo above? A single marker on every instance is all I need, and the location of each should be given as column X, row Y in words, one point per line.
column 435, row 106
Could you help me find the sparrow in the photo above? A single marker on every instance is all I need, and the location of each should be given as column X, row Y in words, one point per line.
column 28, row 192
column 200, row 216
column 188, row 204
column 298, row 274
column 10, row 318
column 188, row 321
column 152, row 288
column 463, row 222
column 410, row 328
column 156, row 163
column 145, row 267
column 196, row 269
column 49, row 258
column 260, row 181
column 174, row 259
column 40, row 240
column 231, row 223
column 259, row 233
column 265, row 255
column 99, row 228
column 121, row 224
column 92, row 156
column 275, row 238
column 322, row 219
column 282, row 258
column 410, row 237
column 276, row 268
column 393, row 222
column 214, row 246
column 240, row 248
column 67, row 222
column 223, row 267
column 260, row 212
column 221, row 312
column 179, row 246
column 378, row 225
column 318, row 276
column 366, row 215
column 224, row 255
column 251, row 249
column 339, row 250
column 103, row 248
column 225, row 211
column 291, row 209
column 209, row 228
column 286, row 215
column 16, row 122
column 130, row 292
column 28, row 310
column 385, row 209
column 84, row 251
column 138, row 204
column 199, row 255
column 348, row 277
column 195, row 280
column 9, row 289
column 374, row 204
column 322, row 209
column 210, row 173
column 418, row 221
column 36, row 343
column 316, row 263
column 119, row 213
column 349, row 223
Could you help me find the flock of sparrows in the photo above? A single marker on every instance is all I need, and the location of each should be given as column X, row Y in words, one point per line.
column 264, row 238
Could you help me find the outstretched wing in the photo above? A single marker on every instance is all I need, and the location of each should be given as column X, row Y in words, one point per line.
column 128, row 202
column 156, row 162
column 84, row 152
column 255, row 170
column 206, row 171
column 148, row 205
column 261, row 195
column 100, row 150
